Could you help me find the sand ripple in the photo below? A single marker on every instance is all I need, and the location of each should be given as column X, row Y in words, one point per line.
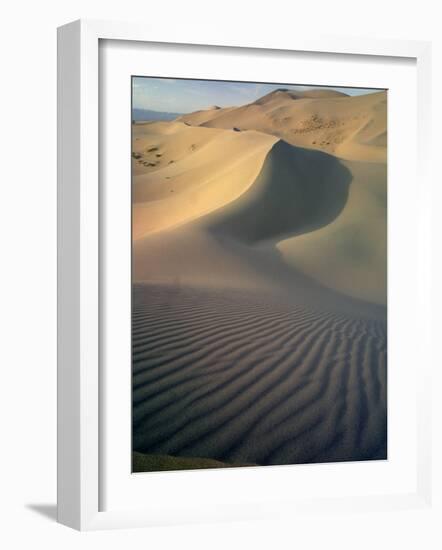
column 242, row 376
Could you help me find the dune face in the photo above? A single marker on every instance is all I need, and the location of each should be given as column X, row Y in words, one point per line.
column 296, row 191
column 259, row 283
column 350, row 254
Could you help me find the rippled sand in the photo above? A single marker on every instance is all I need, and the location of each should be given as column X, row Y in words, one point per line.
column 251, row 377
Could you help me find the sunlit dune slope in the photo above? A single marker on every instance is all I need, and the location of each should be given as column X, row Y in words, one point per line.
column 200, row 117
column 181, row 172
column 350, row 127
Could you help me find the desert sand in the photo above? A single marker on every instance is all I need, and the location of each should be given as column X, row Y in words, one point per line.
column 259, row 269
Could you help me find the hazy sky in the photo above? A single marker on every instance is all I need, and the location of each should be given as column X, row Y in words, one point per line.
column 186, row 96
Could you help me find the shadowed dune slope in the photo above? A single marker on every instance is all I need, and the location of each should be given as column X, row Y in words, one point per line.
column 350, row 253
column 250, row 377
column 297, row 191
column 350, row 127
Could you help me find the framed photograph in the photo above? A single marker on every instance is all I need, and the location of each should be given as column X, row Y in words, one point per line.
column 236, row 254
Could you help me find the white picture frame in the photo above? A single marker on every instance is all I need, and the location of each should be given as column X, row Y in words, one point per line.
column 79, row 272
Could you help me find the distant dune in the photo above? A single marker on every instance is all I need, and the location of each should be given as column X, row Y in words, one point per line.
column 260, row 282
column 350, row 127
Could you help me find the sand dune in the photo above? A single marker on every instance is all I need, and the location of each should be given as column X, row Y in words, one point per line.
column 200, row 117
column 296, row 191
column 243, row 376
column 352, row 128
column 349, row 254
column 297, row 210
column 259, row 269
column 181, row 173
